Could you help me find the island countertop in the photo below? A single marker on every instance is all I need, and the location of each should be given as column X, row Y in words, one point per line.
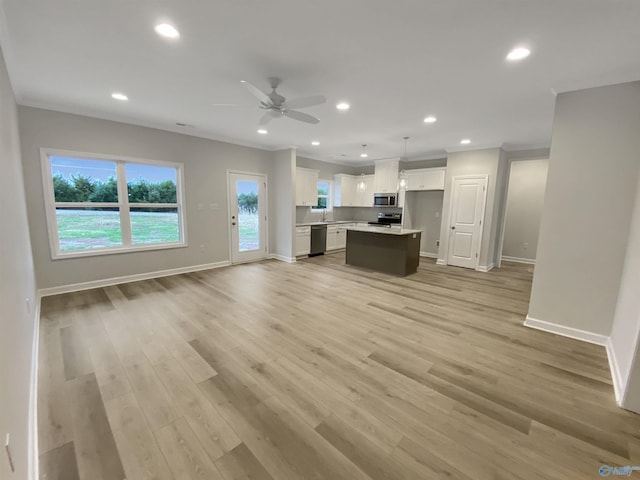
column 385, row 230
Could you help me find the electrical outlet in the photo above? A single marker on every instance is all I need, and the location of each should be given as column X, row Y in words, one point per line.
column 437, row 243
column 437, row 214
column 28, row 301
column 8, row 450
column 525, row 245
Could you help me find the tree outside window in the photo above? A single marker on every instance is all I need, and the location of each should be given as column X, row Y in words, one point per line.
column 324, row 195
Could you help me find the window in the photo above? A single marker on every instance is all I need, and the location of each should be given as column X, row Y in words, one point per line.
column 324, row 195
column 99, row 204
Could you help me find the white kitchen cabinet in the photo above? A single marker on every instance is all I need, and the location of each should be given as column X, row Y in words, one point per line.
column 341, row 235
column 346, row 194
column 306, row 187
column 332, row 237
column 365, row 199
column 425, row 179
column 303, row 241
column 344, row 191
column 386, row 176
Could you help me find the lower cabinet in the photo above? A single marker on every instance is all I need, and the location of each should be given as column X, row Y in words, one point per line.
column 337, row 236
column 332, row 237
column 303, row 241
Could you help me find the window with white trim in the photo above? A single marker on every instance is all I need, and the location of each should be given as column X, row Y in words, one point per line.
column 324, row 195
column 100, row 204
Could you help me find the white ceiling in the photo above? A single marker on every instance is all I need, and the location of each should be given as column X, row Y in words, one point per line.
column 394, row 61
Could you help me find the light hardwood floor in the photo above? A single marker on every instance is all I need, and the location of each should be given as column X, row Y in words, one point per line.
column 318, row 370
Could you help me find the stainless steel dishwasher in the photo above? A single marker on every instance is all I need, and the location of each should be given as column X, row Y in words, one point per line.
column 318, row 239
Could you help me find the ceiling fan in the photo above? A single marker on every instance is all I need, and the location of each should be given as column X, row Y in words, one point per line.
column 277, row 106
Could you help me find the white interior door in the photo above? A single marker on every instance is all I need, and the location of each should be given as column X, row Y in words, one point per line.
column 468, row 197
column 248, row 217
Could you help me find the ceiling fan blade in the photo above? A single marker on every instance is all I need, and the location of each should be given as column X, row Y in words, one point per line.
column 229, row 105
column 259, row 94
column 303, row 117
column 306, row 101
column 268, row 116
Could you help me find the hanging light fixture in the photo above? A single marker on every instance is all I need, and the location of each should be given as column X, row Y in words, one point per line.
column 361, row 186
column 364, row 151
column 402, row 179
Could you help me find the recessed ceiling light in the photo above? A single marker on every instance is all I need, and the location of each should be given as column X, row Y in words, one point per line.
column 364, row 151
column 119, row 96
column 262, row 131
column 343, row 106
column 430, row 119
column 315, row 143
column 518, row 54
column 166, row 30
column 465, row 141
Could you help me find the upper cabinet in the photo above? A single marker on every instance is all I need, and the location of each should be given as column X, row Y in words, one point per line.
column 386, row 179
column 344, row 191
column 306, row 187
column 425, row 179
column 346, row 194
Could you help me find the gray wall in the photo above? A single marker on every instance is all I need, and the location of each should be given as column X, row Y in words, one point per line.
column 591, row 186
column 413, row 164
column 525, row 199
column 488, row 161
column 626, row 323
column 205, row 166
column 283, row 195
column 425, row 212
column 327, row 170
column 17, row 284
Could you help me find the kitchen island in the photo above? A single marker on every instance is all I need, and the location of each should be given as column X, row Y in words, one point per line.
column 392, row 250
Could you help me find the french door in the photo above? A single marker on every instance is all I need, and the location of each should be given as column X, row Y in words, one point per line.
column 247, row 216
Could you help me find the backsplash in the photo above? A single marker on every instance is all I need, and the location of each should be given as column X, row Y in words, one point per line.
column 362, row 214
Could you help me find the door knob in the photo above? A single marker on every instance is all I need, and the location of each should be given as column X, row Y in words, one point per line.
column 453, row 228
column 233, row 223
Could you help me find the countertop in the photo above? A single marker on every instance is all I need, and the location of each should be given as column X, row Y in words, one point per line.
column 328, row 222
column 385, row 230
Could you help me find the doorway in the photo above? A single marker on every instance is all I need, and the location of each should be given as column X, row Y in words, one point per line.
column 248, row 216
column 468, row 198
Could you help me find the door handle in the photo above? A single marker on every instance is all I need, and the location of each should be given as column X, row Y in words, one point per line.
column 453, row 228
column 233, row 223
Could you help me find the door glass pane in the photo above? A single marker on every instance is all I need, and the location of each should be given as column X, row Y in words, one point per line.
column 248, row 225
column 88, row 228
column 154, row 225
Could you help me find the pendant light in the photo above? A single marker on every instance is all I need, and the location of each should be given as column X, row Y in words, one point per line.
column 402, row 179
column 364, row 151
column 361, row 186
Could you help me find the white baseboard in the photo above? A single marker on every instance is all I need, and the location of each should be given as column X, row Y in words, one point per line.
column 282, row 258
column 428, row 255
column 565, row 331
column 76, row 287
column 528, row 261
column 441, row 261
column 32, row 458
column 616, row 375
column 485, row 268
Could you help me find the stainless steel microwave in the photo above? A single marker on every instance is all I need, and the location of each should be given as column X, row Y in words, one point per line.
column 384, row 200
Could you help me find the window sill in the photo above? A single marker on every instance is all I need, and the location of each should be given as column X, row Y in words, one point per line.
column 114, row 251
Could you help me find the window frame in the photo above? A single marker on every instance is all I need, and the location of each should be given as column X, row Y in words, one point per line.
column 329, row 196
column 123, row 204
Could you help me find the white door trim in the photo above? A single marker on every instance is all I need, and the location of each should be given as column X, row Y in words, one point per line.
column 266, row 207
column 484, row 176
